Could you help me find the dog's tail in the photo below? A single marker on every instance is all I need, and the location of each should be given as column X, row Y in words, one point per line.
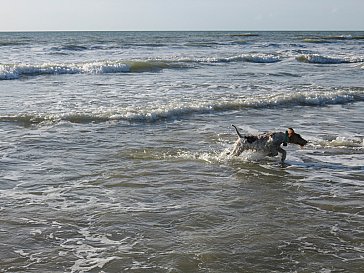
column 237, row 131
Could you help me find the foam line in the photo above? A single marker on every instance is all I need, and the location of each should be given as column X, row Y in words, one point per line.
column 181, row 109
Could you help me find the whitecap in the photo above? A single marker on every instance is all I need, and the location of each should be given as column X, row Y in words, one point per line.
column 16, row 71
column 321, row 59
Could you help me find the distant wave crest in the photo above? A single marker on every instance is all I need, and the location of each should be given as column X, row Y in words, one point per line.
column 320, row 59
column 331, row 38
column 242, row 34
column 251, row 58
column 69, row 47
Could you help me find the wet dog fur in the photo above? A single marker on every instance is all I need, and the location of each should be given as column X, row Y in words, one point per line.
column 267, row 143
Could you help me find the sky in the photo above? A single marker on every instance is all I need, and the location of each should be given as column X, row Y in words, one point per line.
column 149, row 15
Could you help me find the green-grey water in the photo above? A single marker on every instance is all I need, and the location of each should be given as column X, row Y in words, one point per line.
column 113, row 152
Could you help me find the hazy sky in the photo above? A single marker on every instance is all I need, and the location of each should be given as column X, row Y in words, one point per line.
column 38, row 15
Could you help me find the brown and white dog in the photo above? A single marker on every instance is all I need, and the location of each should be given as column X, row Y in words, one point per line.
column 267, row 143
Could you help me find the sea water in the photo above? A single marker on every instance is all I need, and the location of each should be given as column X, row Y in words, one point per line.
column 113, row 152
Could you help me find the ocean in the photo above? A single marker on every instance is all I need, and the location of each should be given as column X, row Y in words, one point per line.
column 113, row 152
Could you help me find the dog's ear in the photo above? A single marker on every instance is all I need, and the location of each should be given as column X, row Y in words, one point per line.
column 286, row 139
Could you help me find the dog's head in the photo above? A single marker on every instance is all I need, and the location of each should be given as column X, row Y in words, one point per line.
column 295, row 138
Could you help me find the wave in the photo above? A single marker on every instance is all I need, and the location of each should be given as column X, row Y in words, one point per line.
column 320, row 59
column 338, row 142
column 201, row 44
column 16, row 71
column 331, row 38
column 315, row 40
column 183, row 109
column 70, row 48
column 342, row 37
column 250, row 58
column 75, row 47
column 239, row 42
column 12, row 43
column 242, row 35
column 259, row 58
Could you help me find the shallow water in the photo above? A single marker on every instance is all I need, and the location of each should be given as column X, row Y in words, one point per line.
column 113, row 152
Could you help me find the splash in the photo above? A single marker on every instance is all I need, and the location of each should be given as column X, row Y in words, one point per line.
column 216, row 157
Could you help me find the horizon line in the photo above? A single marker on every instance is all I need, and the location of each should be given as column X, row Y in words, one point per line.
column 217, row 30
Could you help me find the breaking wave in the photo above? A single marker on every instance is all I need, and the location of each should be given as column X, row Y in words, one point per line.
column 251, row 58
column 320, row 59
column 16, row 71
column 338, row 142
column 182, row 109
